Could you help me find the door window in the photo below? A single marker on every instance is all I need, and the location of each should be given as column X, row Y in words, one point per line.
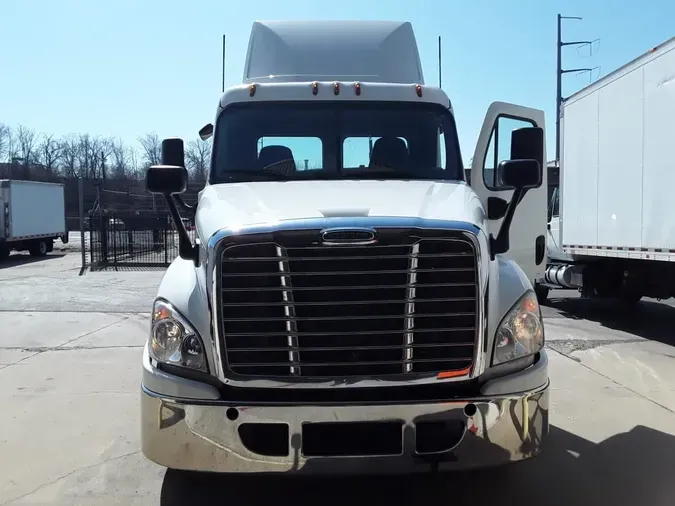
column 499, row 148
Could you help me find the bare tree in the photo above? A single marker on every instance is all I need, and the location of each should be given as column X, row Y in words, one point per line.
column 84, row 156
column 27, row 141
column 92, row 153
column 198, row 159
column 4, row 140
column 152, row 149
column 104, row 149
column 119, row 163
column 135, row 169
column 69, row 156
column 12, row 146
column 49, row 153
column 26, row 146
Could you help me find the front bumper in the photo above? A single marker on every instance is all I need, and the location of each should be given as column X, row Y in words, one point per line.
column 206, row 437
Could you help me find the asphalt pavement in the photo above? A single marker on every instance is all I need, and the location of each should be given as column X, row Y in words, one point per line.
column 69, row 386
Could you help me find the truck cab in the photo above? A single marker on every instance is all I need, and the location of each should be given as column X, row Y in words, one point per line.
column 350, row 303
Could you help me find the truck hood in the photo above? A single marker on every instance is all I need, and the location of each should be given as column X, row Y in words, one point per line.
column 234, row 205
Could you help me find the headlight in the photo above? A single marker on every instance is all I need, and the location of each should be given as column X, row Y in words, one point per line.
column 173, row 340
column 521, row 332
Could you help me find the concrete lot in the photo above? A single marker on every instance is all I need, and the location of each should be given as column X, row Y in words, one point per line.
column 69, row 381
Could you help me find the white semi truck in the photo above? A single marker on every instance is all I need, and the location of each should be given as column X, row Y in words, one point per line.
column 32, row 216
column 611, row 232
column 350, row 303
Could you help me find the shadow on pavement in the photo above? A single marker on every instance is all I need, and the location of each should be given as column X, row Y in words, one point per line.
column 648, row 319
column 25, row 259
column 628, row 469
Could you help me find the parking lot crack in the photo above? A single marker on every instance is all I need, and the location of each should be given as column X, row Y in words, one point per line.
column 92, row 332
column 626, row 387
column 83, row 468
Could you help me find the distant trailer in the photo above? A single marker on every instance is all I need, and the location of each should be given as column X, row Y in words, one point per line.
column 32, row 216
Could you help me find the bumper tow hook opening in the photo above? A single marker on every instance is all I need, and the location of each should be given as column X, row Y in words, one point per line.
column 232, row 414
column 438, row 436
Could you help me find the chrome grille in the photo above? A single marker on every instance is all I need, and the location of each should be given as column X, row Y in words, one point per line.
column 406, row 305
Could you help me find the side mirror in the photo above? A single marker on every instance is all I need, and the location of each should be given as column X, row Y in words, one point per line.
column 520, row 174
column 171, row 177
column 166, row 179
column 528, row 144
column 206, row 131
column 173, row 152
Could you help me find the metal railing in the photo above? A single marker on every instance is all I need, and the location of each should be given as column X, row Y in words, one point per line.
column 127, row 239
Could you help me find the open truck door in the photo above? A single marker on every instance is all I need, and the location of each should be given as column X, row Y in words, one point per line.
column 527, row 237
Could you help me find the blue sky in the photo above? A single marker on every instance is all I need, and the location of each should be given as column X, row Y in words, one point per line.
column 122, row 67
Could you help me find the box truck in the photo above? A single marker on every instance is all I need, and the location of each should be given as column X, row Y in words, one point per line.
column 32, row 216
column 367, row 310
column 611, row 226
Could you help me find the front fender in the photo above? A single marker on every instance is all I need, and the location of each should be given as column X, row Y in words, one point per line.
column 184, row 286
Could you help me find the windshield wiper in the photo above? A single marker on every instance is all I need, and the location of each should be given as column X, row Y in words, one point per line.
column 277, row 171
column 257, row 174
column 385, row 170
column 379, row 169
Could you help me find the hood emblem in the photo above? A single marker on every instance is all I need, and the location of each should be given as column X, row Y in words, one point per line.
column 348, row 236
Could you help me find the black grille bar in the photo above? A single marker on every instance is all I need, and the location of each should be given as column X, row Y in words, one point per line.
column 404, row 306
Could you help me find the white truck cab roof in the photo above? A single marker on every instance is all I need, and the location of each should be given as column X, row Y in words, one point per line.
column 365, row 51
column 333, row 60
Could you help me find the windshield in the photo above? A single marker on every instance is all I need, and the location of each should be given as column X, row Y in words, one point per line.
column 335, row 140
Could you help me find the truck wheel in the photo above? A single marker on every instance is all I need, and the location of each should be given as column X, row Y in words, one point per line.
column 39, row 248
column 541, row 292
column 629, row 297
column 4, row 252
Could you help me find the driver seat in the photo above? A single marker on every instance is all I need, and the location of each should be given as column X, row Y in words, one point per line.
column 389, row 152
column 273, row 154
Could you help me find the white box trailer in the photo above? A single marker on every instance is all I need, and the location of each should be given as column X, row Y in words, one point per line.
column 32, row 216
column 616, row 225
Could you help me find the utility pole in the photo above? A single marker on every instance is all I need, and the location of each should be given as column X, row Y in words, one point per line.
column 440, row 70
column 103, row 166
column 102, row 194
column 222, row 85
column 559, row 74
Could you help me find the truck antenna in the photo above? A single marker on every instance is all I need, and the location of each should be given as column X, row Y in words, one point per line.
column 560, row 72
column 222, row 84
column 440, row 70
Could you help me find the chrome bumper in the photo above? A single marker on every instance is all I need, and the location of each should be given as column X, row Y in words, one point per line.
column 204, row 437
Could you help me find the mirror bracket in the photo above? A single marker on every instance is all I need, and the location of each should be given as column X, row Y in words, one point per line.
column 496, row 208
column 186, row 250
column 500, row 244
column 191, row 209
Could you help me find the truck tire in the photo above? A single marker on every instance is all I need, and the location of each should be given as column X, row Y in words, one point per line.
column 4, row 252
column 629, row 298
column 39, row 248
column 541, row 292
